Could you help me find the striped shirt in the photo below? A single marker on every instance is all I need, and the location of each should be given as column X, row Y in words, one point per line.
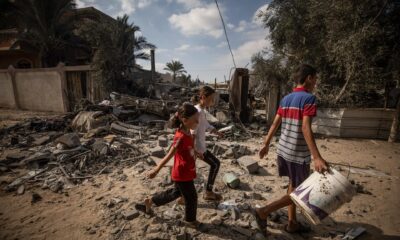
column 293, row 107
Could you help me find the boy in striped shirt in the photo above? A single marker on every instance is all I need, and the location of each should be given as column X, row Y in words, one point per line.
column 296, row 144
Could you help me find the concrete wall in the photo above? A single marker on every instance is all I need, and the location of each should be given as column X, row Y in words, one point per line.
column 7, row 98
column 40, row 89
column 354, row 123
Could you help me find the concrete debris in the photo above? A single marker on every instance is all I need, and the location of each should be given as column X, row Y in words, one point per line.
column 35, row 198
column 157, row 152
column 70, row 140
column 130, row 214
column 163, row 141
column 249, row 164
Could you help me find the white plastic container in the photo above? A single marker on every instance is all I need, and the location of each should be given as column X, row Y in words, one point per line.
column 322, row 194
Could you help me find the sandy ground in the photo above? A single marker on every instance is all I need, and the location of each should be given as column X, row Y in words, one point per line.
column 81, row 212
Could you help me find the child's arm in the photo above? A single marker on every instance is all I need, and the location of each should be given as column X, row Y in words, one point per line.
column 271, row 133
column 320, row 164
column 164, row 161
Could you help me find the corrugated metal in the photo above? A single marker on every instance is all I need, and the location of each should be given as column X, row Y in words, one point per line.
column 357, row 123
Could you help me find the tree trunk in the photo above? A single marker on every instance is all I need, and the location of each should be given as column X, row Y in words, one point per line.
column 343, row 90
column 394, row 131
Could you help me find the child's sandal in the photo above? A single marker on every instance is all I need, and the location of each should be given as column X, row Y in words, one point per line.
column 213, row 197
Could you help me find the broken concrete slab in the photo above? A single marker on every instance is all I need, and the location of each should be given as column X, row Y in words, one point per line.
column 162, row 141
column 38, row 156
column 218, row 149
column 16, row 156
column 41, row 140
column 17, row 182
column 157, row 152
column 70, row 140
column 130, row 214
column 241, row 150
column 249, row 164
column 100, row 148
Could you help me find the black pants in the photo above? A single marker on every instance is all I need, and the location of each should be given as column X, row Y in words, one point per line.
column 214, row 163
column 185, row 189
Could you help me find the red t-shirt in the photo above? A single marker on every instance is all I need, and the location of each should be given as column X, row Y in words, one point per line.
column 184, row 168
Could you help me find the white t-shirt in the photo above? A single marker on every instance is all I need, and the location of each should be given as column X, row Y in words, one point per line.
column 200, row 131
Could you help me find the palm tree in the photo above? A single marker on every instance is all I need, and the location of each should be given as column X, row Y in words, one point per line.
column 116, row 50
column 186, row 79
column 46, row 26
column 175, row 67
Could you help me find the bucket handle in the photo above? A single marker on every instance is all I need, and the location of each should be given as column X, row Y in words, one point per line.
column 342, row 164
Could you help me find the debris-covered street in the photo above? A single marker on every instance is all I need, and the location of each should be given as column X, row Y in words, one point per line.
column 63, row 185
column 199, row 120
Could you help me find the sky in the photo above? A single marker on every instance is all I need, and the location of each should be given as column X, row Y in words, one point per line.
column 191, row 31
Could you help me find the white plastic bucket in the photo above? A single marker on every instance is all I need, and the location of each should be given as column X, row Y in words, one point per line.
column 322, row 194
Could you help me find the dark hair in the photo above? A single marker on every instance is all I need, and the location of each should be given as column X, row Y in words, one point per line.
column 204, row 91
column 185, row 111
column 302, row 72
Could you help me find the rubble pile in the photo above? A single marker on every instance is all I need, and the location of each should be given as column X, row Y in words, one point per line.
column 64, row 151
column 130, row 132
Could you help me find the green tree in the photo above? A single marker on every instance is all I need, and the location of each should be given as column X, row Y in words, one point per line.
column 354, row 45
column 116, row 48
column 186, row 79
column 176, row 68
column 47, row 26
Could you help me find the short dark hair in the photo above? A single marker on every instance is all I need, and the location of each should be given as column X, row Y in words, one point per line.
column 302, row 72
column 185, row 111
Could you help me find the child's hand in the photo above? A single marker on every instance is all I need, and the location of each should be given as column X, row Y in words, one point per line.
column 264, row 151
column 320, row 165
column 153, row 173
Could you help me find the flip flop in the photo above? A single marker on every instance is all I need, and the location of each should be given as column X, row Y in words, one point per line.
column 261, row 223
column 300, row 229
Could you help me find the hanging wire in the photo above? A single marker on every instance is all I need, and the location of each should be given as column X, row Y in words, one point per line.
column 226, row 35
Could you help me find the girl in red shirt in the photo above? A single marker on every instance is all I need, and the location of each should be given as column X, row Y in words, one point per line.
column 184, row 169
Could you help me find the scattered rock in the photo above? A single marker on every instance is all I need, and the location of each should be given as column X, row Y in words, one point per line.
column 235, row 213
column 218, row 149
column 157, row 236
column 162, row 141
column 182, row 236
column 36, row 198
column 41, row 140
column 216, row 220
column 130, row 214
column 262, row 188
column 172, row 214
column 100, row 148
column 243, row 231
column 249, row 164
column 157, row 152
column 70, row 140
column 21, row 190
